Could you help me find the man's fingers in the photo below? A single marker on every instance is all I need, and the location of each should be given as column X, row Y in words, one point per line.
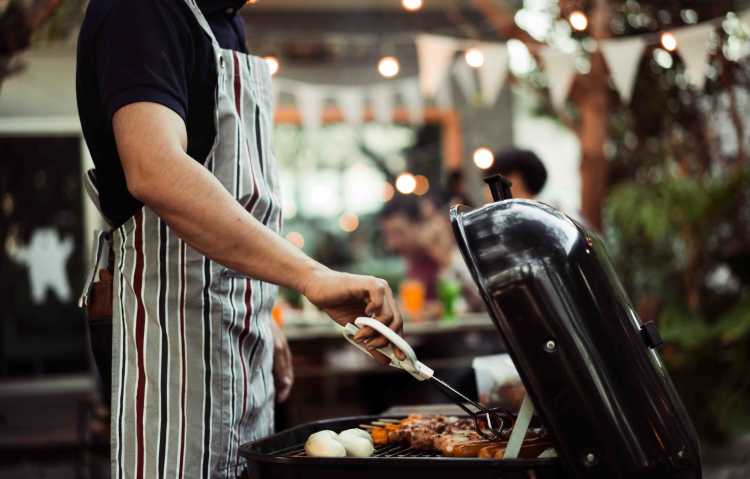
column 380, row 357
column 397, row 325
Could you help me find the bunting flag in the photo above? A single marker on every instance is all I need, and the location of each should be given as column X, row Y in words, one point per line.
column 435, row 55
column 560, row 68
column 381, row 101
column 352, row 104
column 310, row 102
column 412, row 99
column 623, row 57
column 466, row 82
column 494, row 71
column 693, row 46
column 444, row 97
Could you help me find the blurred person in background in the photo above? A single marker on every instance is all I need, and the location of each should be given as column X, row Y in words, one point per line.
column 418, row 230
column 178, row 119
column 523, row 168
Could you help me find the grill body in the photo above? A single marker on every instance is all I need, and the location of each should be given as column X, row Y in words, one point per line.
column 281, row 456
column 586, row 360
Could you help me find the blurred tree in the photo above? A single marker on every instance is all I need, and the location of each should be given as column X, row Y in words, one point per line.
column 23, row 22
column 667, row 180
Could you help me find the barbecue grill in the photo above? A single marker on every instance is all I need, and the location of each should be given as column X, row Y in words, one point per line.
column 589, row 365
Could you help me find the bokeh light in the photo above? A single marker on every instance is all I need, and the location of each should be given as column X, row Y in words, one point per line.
column 483, row 158
column 406, row 183
column 389, row 67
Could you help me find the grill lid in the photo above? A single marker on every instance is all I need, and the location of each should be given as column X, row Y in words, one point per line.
column 585, row 358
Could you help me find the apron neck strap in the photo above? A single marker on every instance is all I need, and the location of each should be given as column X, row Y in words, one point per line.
column 193, row 5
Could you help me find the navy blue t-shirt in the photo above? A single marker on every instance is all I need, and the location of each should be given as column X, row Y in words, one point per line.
column 155, row 51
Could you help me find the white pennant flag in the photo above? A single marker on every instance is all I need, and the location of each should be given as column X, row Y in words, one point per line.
column 310, row 105
column 381, row 100
column 351, row 101
column 276, row 93
column 560, row 68
column 466, row 81
column 435, row 55
column 444, row 97
column 693, row 46
column 623, row 57
column 412, row 99
column 494, row 71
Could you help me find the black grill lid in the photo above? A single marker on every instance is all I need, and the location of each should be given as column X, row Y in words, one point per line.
column 587, row 361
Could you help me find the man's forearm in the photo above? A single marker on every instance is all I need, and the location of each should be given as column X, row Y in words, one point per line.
column 201, row 211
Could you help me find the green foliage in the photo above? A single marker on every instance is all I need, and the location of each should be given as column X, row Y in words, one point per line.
column 671, row 235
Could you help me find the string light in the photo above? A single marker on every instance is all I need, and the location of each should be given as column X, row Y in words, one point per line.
column 406, row 183
column 422, row 185
column 668, row 41
column 389, row 67
column 411, row 5
column 578, row 20
column 273, row 64
column 349, row 222
column 388, row 191
column 474, row 57
column 483, row 158
column 296, row 239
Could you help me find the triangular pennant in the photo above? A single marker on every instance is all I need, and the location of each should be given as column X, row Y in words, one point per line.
column 381, row 101
column 351, row 101
column 465, row 78
column 693, row 46
column 444, row 96
column 560, row 68
column 624, row 57
column 494, row 71
column 310, row 104
column 435, row 55
column 276, row 93
column 412, row 99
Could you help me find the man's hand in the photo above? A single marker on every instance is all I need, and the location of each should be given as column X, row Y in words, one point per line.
column 345, row 297
column 283, row 370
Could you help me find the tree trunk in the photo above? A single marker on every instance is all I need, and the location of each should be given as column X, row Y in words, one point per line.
column 592, row 102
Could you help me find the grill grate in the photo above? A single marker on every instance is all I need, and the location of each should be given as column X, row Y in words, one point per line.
column 392, row 450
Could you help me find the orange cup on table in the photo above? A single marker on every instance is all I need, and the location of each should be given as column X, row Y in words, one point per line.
column 412, row 295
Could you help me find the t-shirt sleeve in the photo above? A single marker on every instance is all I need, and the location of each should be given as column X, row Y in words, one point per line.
column 144, row 52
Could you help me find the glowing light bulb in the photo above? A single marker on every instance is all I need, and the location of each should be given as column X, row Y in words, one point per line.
column 483, row 158
column 578, row 20
column 406, row 183
column 474, row 57
column 273, row 64
column 422, row 185
column 296, row 239
column 411, row 5
column 388, row 191
column 349, row 222
column 668, row 41
column 389, row 67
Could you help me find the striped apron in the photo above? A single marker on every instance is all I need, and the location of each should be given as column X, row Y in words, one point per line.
column 192, row 350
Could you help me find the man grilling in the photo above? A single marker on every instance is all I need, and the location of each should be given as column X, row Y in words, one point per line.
column 178, row 119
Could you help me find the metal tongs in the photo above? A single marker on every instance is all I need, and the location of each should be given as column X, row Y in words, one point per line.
column 488, row 422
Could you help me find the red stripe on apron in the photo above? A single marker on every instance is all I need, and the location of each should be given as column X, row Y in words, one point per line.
column 140, row 329
column 237, row 85
column 183, row 399
column 242, row 338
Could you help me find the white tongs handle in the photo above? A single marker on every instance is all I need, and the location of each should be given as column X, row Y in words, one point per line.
column 410, row 364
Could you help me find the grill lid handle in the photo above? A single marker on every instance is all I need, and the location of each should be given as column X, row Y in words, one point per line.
column 499, row 187
column 650, row 335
